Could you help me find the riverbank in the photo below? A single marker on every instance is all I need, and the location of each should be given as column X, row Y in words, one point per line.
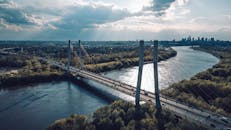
column 29, row 70
column 19, row 80
column 209, row 89
column 120, row 115
column 128, row 59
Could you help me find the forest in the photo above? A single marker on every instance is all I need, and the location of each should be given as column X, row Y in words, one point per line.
column 29, row 70
column 120, row 115
column 98, row 59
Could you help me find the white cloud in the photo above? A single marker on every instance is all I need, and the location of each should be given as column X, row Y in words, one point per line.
column 9, row 26
column 90, row 18
column 176, row 10
column 227, row 16
column 77, row 13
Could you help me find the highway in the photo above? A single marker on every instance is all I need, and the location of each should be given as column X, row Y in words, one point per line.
column 199, row 116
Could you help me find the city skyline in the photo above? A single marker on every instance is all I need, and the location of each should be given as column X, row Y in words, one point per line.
column 114, row 20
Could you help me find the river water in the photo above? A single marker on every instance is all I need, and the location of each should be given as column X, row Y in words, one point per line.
column 35, row 107
column 187, row 63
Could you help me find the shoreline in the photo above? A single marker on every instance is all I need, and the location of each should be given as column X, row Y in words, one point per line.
column 214, row 81
column 23, row 80
column 127, row 62
column 17, row 82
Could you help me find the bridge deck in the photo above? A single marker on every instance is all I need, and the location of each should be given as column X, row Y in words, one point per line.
column 197, row 115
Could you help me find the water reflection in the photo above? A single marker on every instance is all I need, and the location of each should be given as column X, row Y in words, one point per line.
column 187, row 63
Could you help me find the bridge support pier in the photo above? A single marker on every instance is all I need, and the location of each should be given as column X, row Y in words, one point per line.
column 138, row 86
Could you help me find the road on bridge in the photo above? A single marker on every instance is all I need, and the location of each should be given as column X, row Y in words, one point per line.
column 199, row 116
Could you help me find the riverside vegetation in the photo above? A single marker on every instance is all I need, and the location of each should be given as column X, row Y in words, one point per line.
column 210, row 89
column 120, row 115
column 99, row 59
column 30, row 70
column 122, row 59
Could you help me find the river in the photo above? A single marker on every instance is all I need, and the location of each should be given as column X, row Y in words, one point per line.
column 35, row 107
column 186, row 64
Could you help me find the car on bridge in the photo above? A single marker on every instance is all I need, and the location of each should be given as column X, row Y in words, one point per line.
column 145, row 93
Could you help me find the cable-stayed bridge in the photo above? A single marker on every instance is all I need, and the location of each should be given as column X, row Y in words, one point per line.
column 181, row 110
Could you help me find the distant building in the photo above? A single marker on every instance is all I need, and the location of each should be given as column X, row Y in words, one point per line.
column 212, row 39
column 189, row 38
column 193, row 39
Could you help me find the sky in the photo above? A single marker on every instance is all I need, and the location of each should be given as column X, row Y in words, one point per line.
column 114, row 19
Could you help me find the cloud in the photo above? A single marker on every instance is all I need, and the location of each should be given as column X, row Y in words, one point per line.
column 177, row 10
column 79, row 16
column 83, row 16
column 16, row 17
column 9, row 26
column 12, row 14
column 155, row 25
column 75, row 15
column 87, row 15
column 70, row 20
column 93, row 19
column 160, row 7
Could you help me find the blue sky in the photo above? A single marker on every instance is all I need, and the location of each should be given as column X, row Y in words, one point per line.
column 114, row 19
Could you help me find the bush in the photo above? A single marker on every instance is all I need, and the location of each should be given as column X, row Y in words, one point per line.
column 120, row 115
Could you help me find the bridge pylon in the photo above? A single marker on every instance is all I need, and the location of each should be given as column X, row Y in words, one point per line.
column 155, row 68
column 138, row 86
